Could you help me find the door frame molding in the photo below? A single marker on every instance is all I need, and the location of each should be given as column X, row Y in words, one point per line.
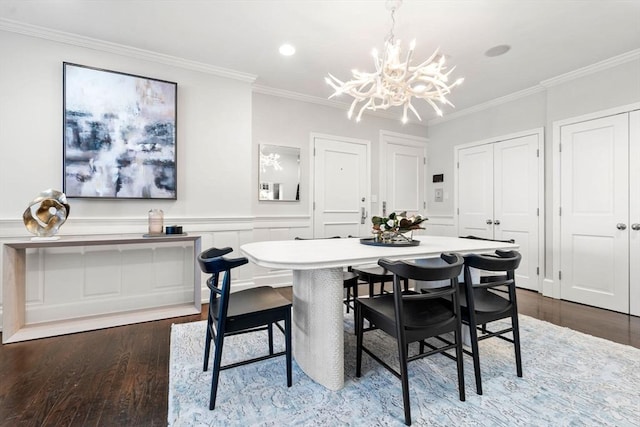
column 539, row 132
column 408, row 141
column 551, row 286
column 312, row 164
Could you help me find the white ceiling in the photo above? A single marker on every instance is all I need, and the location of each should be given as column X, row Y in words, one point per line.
column 547, row 37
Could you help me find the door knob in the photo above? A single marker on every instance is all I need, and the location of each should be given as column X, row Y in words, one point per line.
column 489, row 222
column 496, row 222
column 635, row 226
column 621, row 226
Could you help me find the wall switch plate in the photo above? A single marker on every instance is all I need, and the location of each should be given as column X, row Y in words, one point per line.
column 438, row 194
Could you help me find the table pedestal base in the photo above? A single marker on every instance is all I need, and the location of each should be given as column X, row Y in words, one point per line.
column 318, row 325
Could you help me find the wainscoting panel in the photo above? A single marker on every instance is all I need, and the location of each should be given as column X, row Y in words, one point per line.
column 440, row 225
column 89, row 281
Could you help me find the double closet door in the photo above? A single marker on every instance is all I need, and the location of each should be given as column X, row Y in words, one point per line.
column 497, row 197
column 600, row 212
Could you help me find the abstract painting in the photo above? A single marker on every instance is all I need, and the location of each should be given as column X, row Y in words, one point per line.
column 119, row 135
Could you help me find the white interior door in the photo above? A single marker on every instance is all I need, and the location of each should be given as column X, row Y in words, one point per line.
column 341, row 187
column 594, row 200
column 475, row 191
column 515, row 202
column 404, row 177
column 634, row 213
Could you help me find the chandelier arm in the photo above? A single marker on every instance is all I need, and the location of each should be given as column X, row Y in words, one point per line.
column 353, row 106
column 434, row 106
column 364, row 107
column 429, row 60
column 413, row 110
column 408, row 60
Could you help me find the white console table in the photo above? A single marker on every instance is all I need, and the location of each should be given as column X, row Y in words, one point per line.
column 14, row 328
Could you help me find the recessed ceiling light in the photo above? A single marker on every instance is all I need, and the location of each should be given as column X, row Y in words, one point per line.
column 287, row 50
column 501, row 49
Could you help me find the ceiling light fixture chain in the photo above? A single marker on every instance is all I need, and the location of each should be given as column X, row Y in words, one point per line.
column 392, row 5
column 395, row 83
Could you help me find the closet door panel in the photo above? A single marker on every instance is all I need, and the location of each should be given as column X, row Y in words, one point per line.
column 516, row 202
column 475, row 191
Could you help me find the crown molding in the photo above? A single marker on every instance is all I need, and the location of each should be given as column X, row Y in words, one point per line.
column 486, row 105
column 593, row 68
column 118, row 49
column 281, row 93
column 544, row 85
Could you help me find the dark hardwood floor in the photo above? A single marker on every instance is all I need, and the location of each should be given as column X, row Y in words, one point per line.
column 120, row 376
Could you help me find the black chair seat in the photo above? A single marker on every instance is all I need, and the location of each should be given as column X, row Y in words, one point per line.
column 415, row 315
column 488, row 306
column 247, row 304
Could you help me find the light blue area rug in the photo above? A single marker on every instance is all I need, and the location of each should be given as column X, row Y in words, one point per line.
column 570, row 379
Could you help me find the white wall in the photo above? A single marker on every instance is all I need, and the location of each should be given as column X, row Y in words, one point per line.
column 289, row 122
column 213, row 128
column 571, row 95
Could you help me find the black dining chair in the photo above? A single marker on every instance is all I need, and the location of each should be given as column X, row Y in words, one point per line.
column 250, row 310
column 415, row 317
column 485, row 276
column 376, row 274
column 492, row 298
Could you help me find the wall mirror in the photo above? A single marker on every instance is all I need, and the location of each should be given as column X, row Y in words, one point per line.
column 279, row 173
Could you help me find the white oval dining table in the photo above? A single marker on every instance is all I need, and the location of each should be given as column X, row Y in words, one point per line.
column 318, row 331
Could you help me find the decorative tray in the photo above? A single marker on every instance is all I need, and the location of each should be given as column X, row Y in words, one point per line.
column 372, row 242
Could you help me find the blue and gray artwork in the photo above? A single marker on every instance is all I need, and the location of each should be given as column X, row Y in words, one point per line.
column 120, row 135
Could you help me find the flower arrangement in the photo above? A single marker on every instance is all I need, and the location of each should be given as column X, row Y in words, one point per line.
column 395, row 226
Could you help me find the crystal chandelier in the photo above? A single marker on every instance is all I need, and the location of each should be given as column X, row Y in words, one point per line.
column 395, row 83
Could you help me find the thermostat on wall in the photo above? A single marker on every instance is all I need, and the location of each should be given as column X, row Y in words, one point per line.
column 438, row 178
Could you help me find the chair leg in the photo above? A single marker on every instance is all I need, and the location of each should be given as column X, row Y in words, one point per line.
column 516, row 343
column 404, row 378
column 359, row 323
column 459, row 362
column 473, row 331
column 270, row 332
column 207, row 347
column 287, row 337
column 217, row 361
column 348, row 298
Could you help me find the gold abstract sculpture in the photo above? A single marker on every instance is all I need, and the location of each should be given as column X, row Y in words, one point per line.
column 46, row 213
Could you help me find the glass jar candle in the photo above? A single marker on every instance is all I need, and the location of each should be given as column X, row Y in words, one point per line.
column 156, row 220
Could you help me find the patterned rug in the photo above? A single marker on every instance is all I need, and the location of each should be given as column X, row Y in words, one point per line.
column 570, row 379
